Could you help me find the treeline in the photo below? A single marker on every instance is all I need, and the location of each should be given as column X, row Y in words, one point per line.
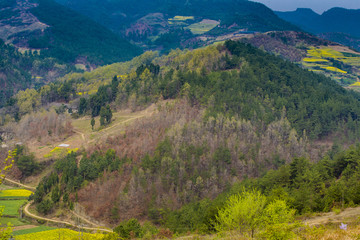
column 263, row 87
column 235, row 79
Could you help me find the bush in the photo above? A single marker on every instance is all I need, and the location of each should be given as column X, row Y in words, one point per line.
column 129, row 229
column 44, row 207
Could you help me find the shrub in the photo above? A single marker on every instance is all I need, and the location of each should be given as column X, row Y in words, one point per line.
column 129, row 229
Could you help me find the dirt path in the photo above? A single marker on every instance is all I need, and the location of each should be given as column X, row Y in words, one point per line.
column 19, row 184
column 17, row 228
column 28, row 213
column 105, row 130
column 331, row 217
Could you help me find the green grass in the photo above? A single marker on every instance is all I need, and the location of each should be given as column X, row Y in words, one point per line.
column 14, row 221
column 203, row 26
column 33, row 230
column 11, row 206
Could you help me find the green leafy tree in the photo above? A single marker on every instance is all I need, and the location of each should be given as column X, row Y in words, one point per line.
column 242, row 212
column 92, row 122
column 56, row 194
column 6, row 232
column 105, row 115
column 27, row 165
column 83, row 106
column 129, row 229
column 278, row 221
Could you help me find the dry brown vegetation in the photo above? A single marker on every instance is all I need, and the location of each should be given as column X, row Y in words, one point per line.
column 44, row 127
column 192, row 171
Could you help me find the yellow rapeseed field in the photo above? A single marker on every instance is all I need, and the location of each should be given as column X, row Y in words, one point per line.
column 63, row 234
column 15, row 193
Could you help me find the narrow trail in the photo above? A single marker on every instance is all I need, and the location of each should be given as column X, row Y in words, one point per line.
column 115, row 125
column 20, row 184
column 82, row 134
column 29, row 214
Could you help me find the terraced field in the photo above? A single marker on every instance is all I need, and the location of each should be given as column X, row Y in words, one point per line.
column 342, row 65
column 203, row 26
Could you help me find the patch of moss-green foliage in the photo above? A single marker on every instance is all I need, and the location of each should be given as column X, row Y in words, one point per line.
column 14, row 221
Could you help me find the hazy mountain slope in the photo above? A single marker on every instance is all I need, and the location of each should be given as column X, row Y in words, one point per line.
column 61, row 33
column 330, row 24
column 224, row 10
column 136, row 21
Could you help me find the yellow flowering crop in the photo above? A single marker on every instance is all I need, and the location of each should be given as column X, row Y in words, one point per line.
column 15, row 193
column 59, row 234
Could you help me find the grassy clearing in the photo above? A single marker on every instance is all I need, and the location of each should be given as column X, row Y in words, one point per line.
column 12, row 206
column 33, row 230
column 14, row 221
column 203, row 26
column 59, row 234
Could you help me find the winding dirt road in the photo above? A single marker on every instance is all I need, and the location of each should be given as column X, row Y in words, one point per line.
column 29, row 214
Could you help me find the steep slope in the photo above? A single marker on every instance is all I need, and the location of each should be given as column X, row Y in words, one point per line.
column 61, row 33
column 331, row 24
column 21, row 70
column 336, row 61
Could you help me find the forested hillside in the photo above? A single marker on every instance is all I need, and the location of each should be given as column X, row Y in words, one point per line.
column 169, row 24
column 61, row 33
column 19, row 71
column 72, row 35
column 225, row 114
column 336, row 24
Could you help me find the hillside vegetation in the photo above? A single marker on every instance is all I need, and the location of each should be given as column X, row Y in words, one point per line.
column 61, row 33
column 20, row 71
column 336, row 24
column 166, row 25
column 229, row 118
column 71, row 35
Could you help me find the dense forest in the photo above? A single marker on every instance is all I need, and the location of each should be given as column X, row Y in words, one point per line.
column 72, row 35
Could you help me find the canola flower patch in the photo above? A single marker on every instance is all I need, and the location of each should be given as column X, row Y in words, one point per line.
column 15, row 193
column 315, row 60
column 181, row 18
column 342, row 67
column 64, row 234
column 60, row 151
column 357, row 84
column 334, row 69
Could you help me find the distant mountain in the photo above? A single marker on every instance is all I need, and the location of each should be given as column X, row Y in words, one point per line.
column 61, row 33
column 148, row 21
column 331, row 24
